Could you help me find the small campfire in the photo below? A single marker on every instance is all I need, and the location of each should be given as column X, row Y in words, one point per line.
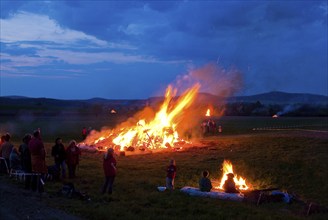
column 239, row 181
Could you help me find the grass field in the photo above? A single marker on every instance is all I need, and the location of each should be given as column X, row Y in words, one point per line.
column 295, row 160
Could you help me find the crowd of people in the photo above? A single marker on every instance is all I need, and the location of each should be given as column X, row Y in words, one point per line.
column 30, row 158
column 209, row 127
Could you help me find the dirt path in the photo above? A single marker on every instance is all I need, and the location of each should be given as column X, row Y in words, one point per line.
column 17, row 203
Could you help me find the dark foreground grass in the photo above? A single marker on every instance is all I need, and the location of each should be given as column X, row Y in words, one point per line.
column 296, row 161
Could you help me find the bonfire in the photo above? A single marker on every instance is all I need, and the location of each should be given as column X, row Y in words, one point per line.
column 158, row 133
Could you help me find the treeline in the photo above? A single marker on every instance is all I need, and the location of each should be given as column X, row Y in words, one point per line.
column 258, row 109
column 85, row 109
column 56, row 108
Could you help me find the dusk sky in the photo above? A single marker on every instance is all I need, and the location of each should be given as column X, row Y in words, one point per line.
column 134, row 49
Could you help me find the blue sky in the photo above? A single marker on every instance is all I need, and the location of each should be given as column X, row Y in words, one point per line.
column 134, row 49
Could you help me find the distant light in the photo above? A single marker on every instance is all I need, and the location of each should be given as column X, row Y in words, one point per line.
column 208, row 113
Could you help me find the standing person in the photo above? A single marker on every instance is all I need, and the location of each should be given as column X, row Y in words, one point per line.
column 14, row 158
column 171, row 173
column 26, row 159
column 6, row 149
column 72, row 158
column 38, row 161
column 59, row 154
column 2, row 140
column 109, row 165
column 84, row 133
column 205, row 184
column 2, row 161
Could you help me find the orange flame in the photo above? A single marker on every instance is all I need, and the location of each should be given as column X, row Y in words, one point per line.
column 159, row 133
column 208, row 113
column 239, row 181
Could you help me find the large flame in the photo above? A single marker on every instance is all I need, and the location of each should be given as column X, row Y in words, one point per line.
column 158, row 133
column 239, row 181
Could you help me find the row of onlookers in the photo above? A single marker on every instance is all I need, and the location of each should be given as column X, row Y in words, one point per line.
column 30, row 159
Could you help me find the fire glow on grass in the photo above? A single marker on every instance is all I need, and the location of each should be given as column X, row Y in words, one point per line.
column 239, row 181
column 159, row 133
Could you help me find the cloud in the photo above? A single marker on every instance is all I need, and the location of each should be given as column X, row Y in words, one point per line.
column 33, row 75
column 25, row 26
column 272, row 43
column 35, row 40
column 76, row 57
column 17, row 61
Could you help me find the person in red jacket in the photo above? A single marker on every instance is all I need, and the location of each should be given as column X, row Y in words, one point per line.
column 109, row 165
column 84, row 133
column 170, row 176
column 72, row 158
column 38, row 161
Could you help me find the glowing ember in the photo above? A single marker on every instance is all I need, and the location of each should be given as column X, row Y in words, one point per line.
column 208, row 113
column 239, row 181
column 159, row 133
column 113, row 111
column 275, row 116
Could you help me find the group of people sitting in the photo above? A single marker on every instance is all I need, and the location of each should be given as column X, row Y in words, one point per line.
column 229, row 185
column 205, row 184
column 29, row 159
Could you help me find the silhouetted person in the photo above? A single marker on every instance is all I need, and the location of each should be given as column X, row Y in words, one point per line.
column 229, row 185
column 59, row 154
column 5, row 151
column 14, row 158
column 205, row 184
column 109, row 165
column 26, row 159
column 170, row 174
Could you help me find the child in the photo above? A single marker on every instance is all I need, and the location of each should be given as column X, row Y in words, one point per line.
column 171, row 172
column 229, row 185
column 109, row 165
column 205, row 184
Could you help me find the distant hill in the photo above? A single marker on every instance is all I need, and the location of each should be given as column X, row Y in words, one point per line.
column 202, row 98
column 260, row 104
column 279, row 98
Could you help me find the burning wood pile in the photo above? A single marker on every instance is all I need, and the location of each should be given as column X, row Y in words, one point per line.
column 157, row 134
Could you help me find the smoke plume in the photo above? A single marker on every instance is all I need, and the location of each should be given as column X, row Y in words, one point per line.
column 214, row 79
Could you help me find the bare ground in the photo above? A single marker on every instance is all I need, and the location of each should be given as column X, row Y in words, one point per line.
column 18, row 203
